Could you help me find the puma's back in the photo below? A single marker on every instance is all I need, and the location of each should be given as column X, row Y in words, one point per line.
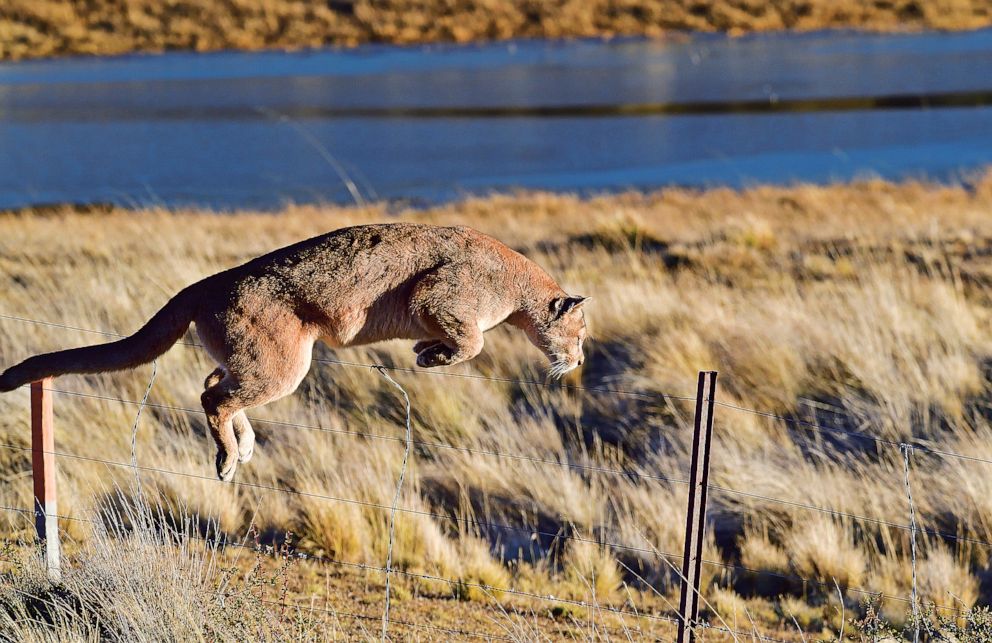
column 356, row 283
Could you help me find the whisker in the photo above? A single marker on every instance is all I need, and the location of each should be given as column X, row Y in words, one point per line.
column 558, row 368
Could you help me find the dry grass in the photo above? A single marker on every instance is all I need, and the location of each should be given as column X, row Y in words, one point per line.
column 864, row 306
column 145, row 585
column 34, row 28
column 136, row 579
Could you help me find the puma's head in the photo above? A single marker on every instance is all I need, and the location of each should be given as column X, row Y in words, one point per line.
column 559, row 333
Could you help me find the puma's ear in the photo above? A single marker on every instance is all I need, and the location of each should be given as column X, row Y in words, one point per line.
column 562, row 305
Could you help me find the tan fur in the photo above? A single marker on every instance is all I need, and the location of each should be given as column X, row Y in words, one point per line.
column 441, row 286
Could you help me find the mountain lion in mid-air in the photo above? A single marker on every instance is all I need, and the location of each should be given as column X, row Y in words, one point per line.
column 441, row 286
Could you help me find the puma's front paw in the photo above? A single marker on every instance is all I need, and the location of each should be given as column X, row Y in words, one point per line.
column 424, row 344
column 436, row 355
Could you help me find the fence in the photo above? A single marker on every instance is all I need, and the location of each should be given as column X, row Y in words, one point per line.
column 685, row 618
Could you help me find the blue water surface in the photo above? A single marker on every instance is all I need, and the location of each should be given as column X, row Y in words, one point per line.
column 205, row 129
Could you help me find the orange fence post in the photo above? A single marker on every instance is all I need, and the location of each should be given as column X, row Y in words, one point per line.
column 43, row 473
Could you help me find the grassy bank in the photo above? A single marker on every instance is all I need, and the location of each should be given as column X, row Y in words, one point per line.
column 38, row 28
column 863, row 307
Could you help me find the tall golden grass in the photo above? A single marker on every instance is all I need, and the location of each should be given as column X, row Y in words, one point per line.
column 33, row 28
column 864, row 307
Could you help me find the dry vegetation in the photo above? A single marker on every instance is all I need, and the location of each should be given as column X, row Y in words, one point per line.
column 138, row 580
column 864, row 307
column 34, row 28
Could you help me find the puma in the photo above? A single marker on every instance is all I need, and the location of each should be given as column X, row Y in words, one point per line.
column 442, row 286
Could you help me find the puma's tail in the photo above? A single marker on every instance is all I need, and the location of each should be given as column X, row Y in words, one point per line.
column 154, row 338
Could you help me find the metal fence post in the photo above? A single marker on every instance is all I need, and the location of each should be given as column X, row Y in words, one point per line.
column 43, row 473
column 696, row 516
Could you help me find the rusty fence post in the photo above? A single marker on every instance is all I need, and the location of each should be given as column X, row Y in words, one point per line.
column 43, row 474
column 695, row 520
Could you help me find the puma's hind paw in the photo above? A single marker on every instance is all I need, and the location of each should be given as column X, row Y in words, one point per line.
column 246, row 445
column 227, row 464
column 246, row 451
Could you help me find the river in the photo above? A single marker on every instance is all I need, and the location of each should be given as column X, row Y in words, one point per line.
column 426, row 124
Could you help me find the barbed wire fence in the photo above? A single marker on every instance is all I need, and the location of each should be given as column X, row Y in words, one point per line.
column 687, row 624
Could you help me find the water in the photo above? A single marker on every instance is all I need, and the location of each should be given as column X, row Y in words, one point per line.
column 235, row 130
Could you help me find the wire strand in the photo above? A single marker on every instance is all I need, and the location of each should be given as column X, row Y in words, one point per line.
column 393, row 438
column 396, row 499
column 853, row 516
column 713, row 563
column 807, row 424
column 653, row 395
column 813, row 581
column 363, row 503
column 813, row 426
column 368, row 617
column 449, row 581
column 42, row 513
column 402, row 369
column 734, row 633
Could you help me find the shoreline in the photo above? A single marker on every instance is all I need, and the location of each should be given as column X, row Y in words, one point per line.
column 58, row 28
column 974, row 183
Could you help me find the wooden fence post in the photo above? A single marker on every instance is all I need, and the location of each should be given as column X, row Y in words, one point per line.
column 695, row 519
column 43, row 472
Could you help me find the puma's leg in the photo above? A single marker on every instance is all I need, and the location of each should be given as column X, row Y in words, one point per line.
column 442, row 312
column 214, row 378
column 462, row 342
column 245, row 435
column 231, row 397
column 243, row 432
column 220, row 402
column 262, row 364
column 446, row 355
